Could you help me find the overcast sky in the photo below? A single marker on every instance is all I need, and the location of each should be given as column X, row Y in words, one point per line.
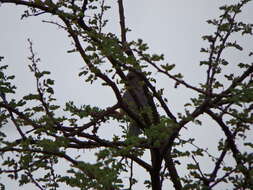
column 173, row 28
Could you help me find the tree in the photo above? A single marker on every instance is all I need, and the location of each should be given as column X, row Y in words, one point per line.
column 46, row 138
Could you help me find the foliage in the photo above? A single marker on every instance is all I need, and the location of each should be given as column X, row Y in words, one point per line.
column 46, row 138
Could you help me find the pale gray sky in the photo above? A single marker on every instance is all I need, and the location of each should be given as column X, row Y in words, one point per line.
column 173, row 28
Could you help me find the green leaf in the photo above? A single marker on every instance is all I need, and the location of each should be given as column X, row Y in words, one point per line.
column 50, row 82
column 50, row 90
column 225, row 27
column 32, row 97
column 168, row 67
column 192, row 166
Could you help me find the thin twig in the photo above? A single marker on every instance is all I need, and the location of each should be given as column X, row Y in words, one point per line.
column 198, row 168
column 131, row 175
column 29, row 174
column 179, row 81
column 13, row 119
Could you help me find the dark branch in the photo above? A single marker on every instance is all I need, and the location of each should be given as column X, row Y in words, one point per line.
column 229, row 135
column 170, row 165
column 122, row 21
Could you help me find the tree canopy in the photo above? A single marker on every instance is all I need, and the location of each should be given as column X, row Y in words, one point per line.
column 51, row 136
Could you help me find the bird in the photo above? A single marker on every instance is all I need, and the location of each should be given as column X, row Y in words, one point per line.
column 134, row 83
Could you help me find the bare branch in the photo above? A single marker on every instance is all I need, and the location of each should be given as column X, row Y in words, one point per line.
column 122, row 21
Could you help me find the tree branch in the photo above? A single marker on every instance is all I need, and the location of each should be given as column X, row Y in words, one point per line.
column 179, row 81
column 99, row 74
column 170, row 165
column 2, row 95
column 122, row 22
column 229, row 135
